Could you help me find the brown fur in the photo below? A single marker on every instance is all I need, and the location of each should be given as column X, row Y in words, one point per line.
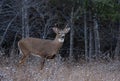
column 47, row 49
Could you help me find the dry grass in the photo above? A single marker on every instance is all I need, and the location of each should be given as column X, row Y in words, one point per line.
column 59, row 71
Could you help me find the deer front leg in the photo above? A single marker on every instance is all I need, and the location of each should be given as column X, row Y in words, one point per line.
column 21, row 62
column 42, row 63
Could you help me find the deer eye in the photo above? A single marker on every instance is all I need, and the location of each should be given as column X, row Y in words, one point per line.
column 59, row 33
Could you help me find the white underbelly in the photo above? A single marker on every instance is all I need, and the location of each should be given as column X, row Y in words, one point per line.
column 35, row 55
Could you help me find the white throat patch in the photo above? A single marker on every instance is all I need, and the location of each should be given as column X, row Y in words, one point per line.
column 61, row 40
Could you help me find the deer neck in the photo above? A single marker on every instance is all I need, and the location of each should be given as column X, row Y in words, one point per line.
column 59, row 40
column 57, row 43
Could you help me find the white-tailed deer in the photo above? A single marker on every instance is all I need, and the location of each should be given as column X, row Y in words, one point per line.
column 47, row 49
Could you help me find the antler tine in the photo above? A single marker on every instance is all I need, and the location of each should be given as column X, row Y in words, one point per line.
column 55, row 24
column 67, row 25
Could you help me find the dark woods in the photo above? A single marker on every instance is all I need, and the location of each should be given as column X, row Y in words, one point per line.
column 95, row 26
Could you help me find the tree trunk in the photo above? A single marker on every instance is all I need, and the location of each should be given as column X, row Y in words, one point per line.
column 1, row 3
column 117, row 49
column 90, row 44
column 25, row 21
column 8, row 26
column 85, row 36
column 71, row 34
column 96, row 37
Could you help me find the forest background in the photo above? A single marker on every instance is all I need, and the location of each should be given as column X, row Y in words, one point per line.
column 95, row 26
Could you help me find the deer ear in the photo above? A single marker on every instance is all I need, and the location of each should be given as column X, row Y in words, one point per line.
column 55, row 30
column 66, row 30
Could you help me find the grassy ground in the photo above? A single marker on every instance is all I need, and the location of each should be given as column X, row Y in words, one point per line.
column 59, row 71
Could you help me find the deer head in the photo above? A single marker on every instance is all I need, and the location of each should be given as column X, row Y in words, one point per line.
column 60, row 34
